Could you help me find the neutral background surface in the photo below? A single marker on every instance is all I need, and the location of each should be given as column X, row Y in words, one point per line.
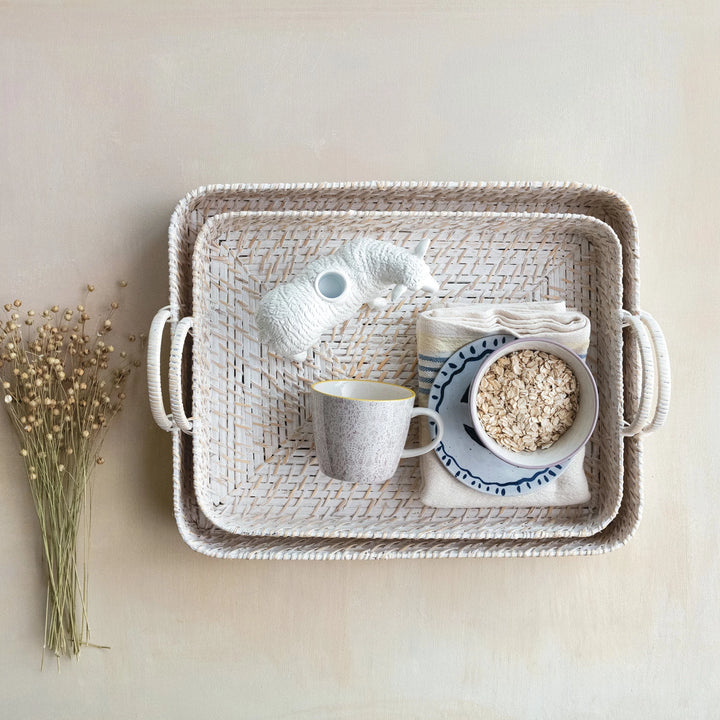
column 111, row 111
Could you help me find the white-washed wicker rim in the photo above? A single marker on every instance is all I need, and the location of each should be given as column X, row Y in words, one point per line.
column 512, row 523
column 537, row 196
column 606, row 205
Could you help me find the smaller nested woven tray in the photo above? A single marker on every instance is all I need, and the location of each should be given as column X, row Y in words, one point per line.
column 255, row 471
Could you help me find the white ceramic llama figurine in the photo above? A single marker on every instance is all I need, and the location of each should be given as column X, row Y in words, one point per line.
column 292, row 317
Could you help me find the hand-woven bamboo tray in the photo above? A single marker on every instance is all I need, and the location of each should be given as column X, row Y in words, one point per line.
column 203, row 536
column 255, row 469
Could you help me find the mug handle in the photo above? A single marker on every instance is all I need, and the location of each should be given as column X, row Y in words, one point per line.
column 414, row 452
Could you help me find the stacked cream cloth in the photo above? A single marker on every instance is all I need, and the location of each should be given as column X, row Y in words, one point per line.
column 444, row 330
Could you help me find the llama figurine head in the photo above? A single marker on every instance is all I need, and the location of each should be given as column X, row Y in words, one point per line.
column 292, row 317
column 418, row 275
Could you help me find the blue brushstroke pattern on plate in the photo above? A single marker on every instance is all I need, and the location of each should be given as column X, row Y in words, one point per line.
column 460, row 450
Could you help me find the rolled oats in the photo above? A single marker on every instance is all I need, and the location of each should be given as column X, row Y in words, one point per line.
column 527, row 400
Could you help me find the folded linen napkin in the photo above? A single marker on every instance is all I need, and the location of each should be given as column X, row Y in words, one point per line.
column 440, row 333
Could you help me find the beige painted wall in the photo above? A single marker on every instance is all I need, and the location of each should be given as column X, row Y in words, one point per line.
column 111, row 111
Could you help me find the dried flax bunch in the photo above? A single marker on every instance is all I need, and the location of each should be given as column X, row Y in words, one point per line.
column 62, row 384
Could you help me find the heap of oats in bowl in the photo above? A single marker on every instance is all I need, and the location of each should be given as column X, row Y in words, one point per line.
column 527, row 400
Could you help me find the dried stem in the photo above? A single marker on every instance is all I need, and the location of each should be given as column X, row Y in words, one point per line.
column 61, row 388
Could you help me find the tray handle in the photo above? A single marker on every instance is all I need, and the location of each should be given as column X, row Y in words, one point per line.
column 654, row 360
column 662, row 360
column 175, row 375
column 154, row 343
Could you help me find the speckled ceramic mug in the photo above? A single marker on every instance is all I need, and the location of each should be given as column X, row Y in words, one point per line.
column 361, row 427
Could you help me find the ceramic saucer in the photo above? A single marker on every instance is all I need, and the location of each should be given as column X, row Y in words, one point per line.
column 460, row 450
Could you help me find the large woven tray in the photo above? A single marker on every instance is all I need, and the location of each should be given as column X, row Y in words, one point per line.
column 254, row 466
column 191, row 213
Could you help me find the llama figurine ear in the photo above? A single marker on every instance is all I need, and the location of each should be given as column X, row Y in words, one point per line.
column 292, row 317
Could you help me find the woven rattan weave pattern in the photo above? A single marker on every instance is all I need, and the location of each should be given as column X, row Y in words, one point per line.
column 255, row 471
column 192, row 211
